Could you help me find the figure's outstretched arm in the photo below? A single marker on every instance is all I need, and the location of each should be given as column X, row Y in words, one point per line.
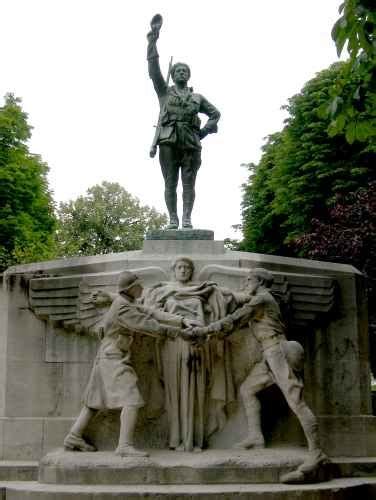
column 155, row 73
column 222, row 327
column 140, row 319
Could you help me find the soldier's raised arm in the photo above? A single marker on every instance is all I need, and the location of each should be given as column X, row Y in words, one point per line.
column 155, row 73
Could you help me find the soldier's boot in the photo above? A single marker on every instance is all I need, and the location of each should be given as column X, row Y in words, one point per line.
column 128, row 419
column 188, row 201
column 314, row 466
column 313, row 469
column 73, row 442
column 254, row 438
column 171, row 203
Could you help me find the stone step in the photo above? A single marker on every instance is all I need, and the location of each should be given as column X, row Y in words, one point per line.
column 170, row 467
column 339, row 489
column 16, row 470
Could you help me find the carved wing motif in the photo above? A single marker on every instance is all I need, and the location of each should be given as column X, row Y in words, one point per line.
column 312, row 297
column 66, row 300
column 55, row 299
column 305, row 299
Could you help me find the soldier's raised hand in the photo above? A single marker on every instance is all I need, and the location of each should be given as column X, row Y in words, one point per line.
column 100, row 297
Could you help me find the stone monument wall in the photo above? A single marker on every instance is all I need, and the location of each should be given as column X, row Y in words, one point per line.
column 44, row 369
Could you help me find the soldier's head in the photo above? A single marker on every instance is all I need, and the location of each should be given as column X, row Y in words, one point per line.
column 183, row 268
column 180, row 73
column 129, row 284
column 259, row 277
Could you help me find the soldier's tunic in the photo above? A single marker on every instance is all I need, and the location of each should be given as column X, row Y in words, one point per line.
column 180, row 125
column 113, row 380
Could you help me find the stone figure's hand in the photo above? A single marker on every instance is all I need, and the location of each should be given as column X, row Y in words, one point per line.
column 100, row 297
column 186, row 334
column 153, row 151
column 227, row 325
column 191, row 322
column 194, row 335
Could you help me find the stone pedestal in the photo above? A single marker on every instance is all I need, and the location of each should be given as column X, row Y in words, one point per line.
column 44, row 370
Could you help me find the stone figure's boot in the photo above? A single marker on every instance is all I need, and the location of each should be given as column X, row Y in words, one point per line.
column 171, row 203
column 188, row 201
column 254, row 438
column 73, row 442
column 314, row 468
column 128, row 419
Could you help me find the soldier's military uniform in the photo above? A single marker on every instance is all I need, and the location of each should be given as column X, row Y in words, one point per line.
column 281, row 359
column 179, row 136
column 113, row 380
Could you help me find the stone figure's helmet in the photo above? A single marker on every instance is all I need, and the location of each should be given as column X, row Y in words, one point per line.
column 263, row 275
column 127, row 279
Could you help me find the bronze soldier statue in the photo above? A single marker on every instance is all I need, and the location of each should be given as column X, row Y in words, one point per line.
column 179, row 133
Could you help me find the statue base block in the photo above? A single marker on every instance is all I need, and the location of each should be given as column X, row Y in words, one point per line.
column 180, row 234
column 170, row 467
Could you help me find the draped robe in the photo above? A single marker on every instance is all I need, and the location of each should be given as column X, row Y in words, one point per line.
column 197, row 378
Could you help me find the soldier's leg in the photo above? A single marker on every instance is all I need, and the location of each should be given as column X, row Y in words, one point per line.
column 191, row 162
column 168, row 159
column 74, row 439
column 258, row 379
column 128, row 420
column 292, row 389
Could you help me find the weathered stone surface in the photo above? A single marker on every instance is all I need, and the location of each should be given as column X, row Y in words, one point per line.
column 22, row 439
column 183, row 247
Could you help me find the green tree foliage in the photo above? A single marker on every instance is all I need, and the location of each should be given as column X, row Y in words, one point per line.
column 108, row 219
column 301, row 170
column 26, row 208
column 348, row 236
column 352, row 104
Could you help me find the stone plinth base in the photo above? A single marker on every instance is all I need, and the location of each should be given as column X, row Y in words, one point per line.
column 340, row 489
column 180, row 234
column 170, row 467
column 184, row 241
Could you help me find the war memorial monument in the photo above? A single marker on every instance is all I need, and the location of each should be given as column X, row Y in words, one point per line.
column 184, row 370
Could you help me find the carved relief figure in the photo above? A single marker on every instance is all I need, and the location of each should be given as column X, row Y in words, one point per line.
column 194, row 397
column 282, row 361
column 113, row 380
column 178, row 133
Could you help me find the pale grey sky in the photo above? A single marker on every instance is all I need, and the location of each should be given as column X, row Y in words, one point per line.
column 80, row 68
